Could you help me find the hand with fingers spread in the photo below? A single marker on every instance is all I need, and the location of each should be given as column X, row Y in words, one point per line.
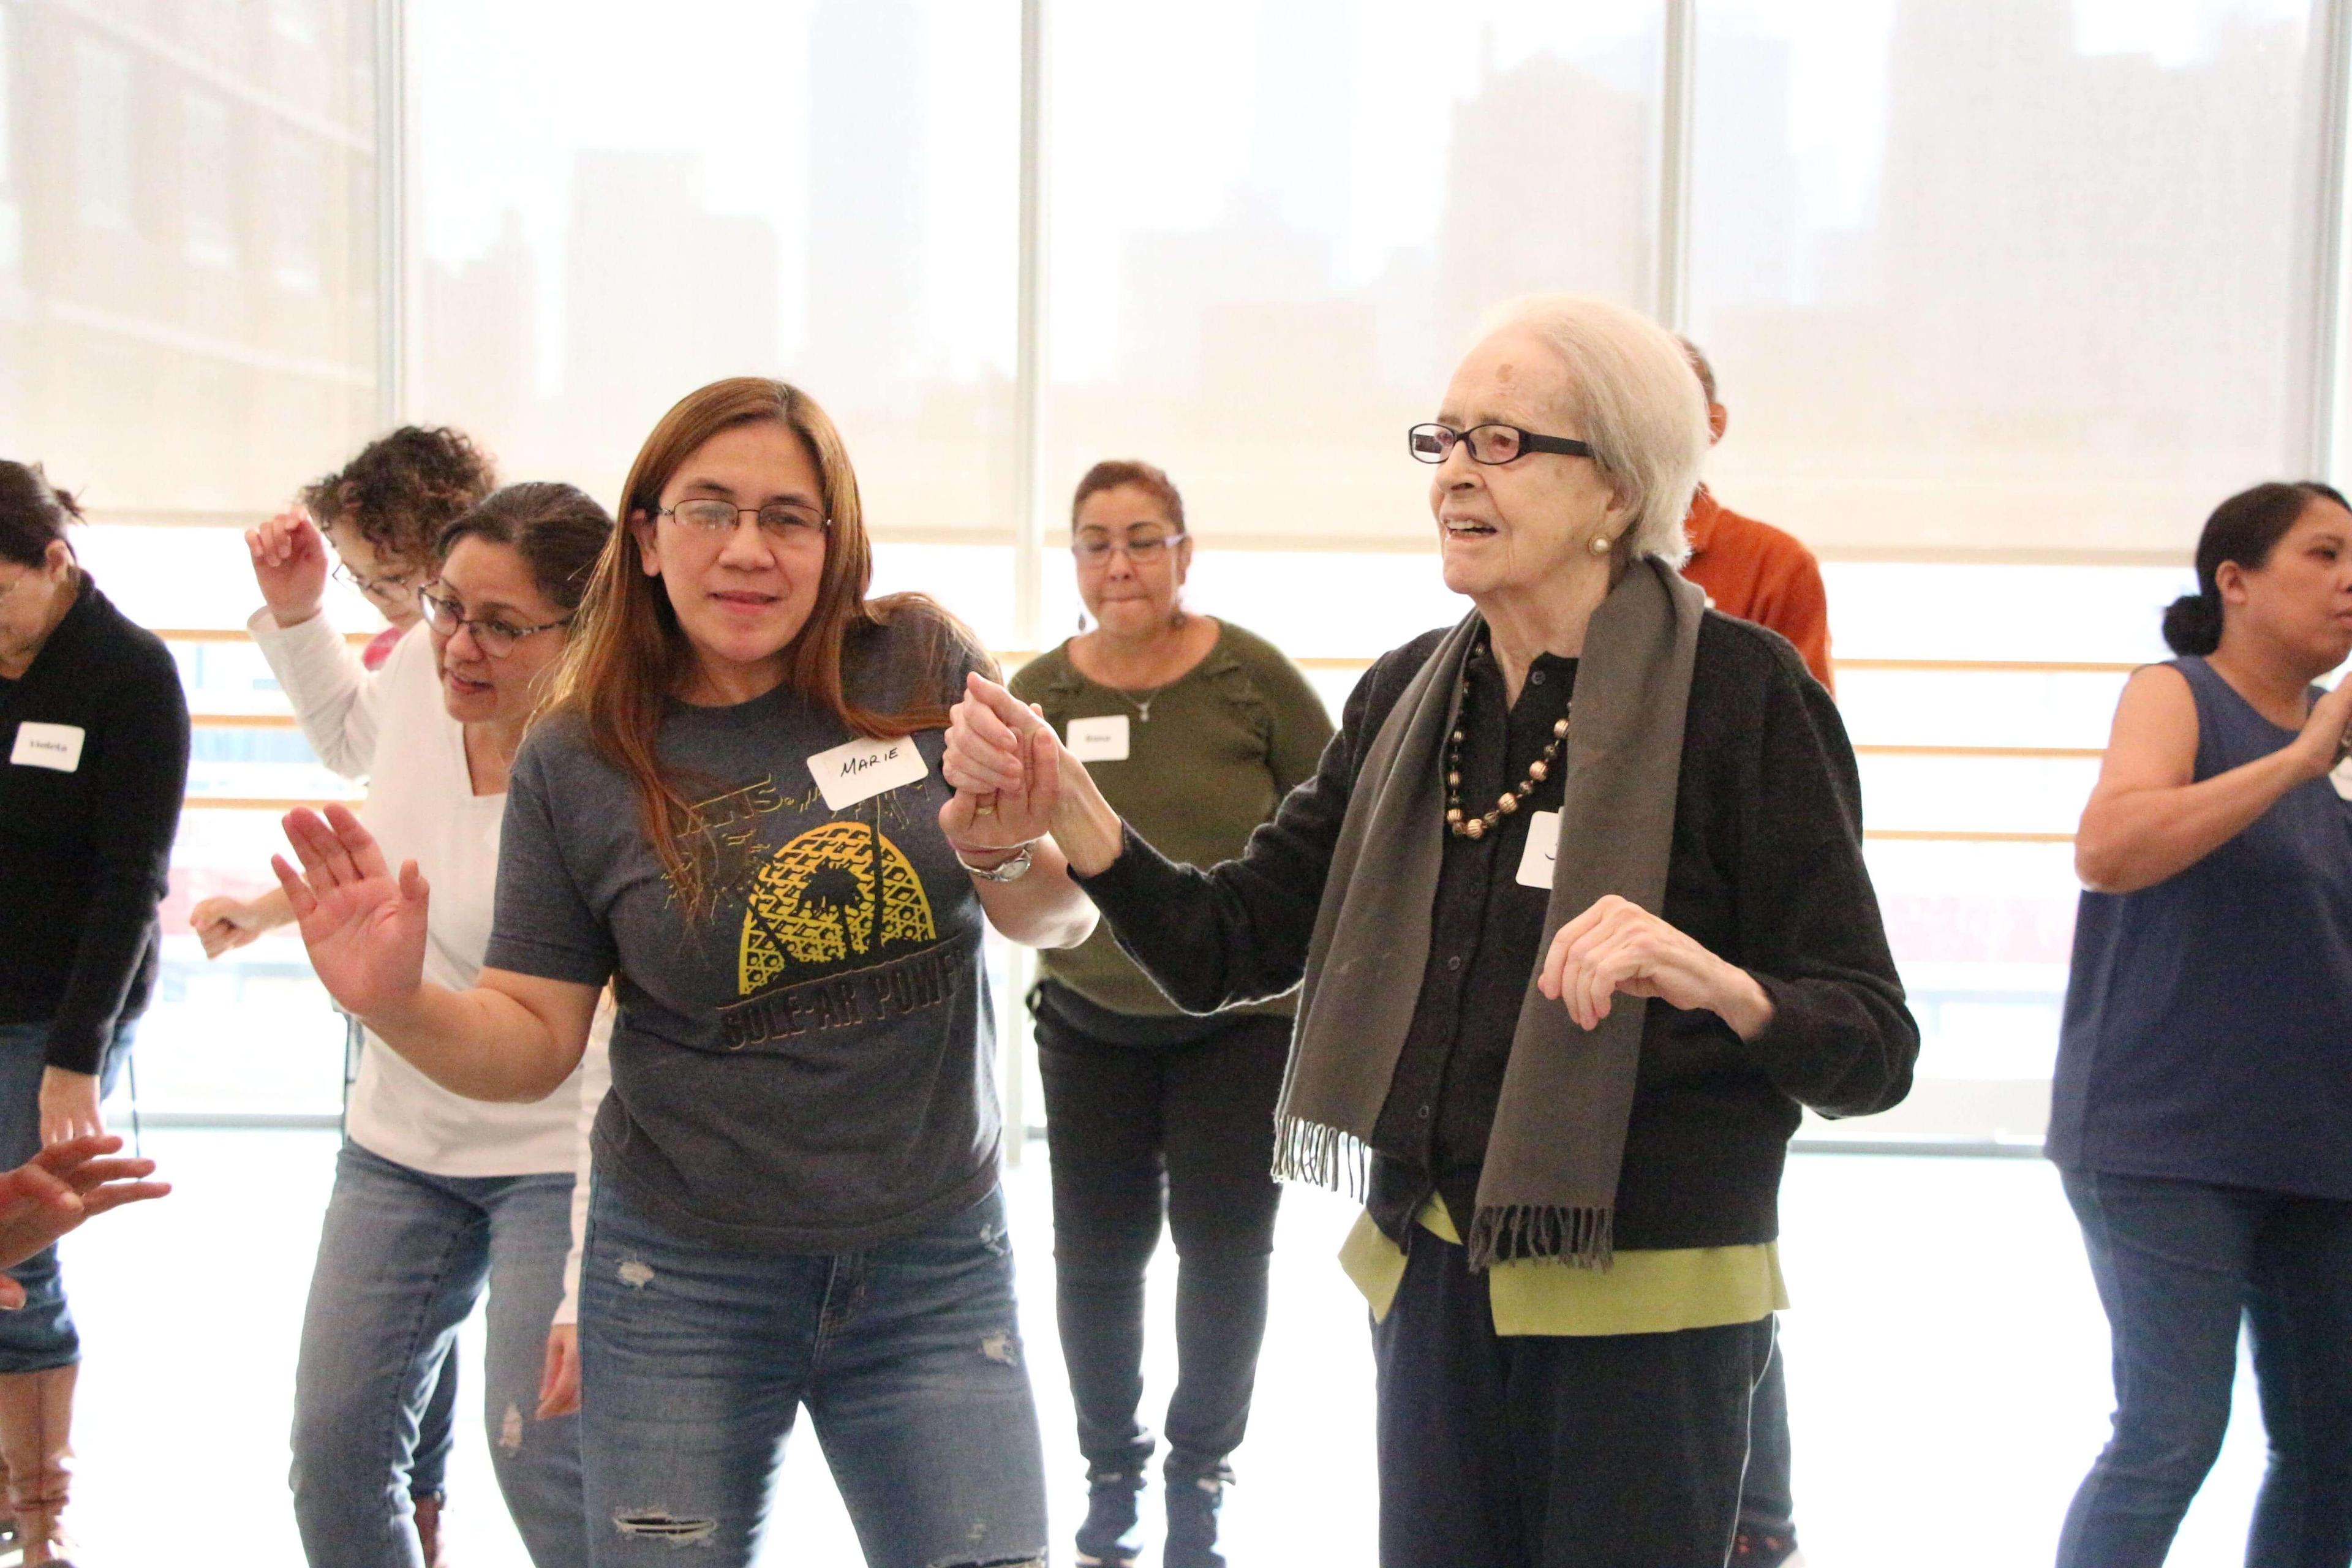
column 1617, row 945
column 289, row 563
column 1005, row 765
column 364, row 926
column 58, row 1189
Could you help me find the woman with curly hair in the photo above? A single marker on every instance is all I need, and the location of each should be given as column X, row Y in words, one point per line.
column 383, row 511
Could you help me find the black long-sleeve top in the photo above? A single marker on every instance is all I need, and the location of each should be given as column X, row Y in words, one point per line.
column 1766, row 872
column 85, row 848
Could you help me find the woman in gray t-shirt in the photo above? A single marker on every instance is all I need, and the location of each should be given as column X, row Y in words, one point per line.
column 734, row 814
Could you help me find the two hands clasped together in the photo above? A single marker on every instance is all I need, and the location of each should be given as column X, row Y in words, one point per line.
column 1016, row 782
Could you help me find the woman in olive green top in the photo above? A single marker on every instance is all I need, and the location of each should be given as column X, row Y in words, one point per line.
column 1194, row 730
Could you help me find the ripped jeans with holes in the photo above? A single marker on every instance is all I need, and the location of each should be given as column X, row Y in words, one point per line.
column 403, row 1258
column 696, row 1362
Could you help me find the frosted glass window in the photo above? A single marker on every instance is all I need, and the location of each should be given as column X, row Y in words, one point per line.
column 296, row 170
column 825, row 192
column 152, row 354
column 205, row 158
column 2009, row 276
column 102, row 128
column 1267, row 249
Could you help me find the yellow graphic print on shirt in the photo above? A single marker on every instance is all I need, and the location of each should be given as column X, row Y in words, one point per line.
column 815, row 902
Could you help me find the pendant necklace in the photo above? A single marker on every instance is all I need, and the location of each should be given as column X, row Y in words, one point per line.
column 1143, row 708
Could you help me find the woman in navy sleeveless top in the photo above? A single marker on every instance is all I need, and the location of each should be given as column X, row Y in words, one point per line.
column 2202, row 1116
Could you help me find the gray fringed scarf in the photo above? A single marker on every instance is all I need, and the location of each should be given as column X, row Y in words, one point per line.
column 1548, row 1187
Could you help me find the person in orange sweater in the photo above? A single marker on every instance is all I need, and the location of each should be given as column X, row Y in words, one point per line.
column 1756, row 571
column 1750, row 569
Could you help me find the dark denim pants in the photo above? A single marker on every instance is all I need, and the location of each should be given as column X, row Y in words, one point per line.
column 2178, row 1265
column 1612, row 1451
column 695, row 1362
column 40, row 1334
column 1138, row 1132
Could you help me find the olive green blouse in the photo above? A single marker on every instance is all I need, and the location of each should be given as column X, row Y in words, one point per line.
column 1208, row 757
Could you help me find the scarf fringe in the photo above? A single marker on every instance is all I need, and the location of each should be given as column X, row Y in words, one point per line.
column 1328, row 1157
column 1582, row 1238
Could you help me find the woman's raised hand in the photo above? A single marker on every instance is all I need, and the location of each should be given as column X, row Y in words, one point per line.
column 2321, row 743
column 1005, row 764
column 365, row 928
column 289, row 563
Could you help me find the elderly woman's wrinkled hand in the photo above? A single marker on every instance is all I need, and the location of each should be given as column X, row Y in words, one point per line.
column 1003, row 762
column 1617, row 945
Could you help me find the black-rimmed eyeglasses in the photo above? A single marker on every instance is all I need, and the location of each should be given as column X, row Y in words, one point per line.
column 1490, row 444
column 494, row 638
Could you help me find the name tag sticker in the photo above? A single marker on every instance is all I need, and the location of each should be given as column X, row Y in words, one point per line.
column 1543, row 848
column 1102, row 740
column 56, row 746
column 863, row 769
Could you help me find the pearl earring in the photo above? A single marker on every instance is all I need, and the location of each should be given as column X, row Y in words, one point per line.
column 1602, row 544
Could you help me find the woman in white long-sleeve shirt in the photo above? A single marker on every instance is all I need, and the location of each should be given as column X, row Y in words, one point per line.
column 436, row 1195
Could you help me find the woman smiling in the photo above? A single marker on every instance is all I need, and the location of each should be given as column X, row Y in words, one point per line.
column 1590, row 791
column 733, row 812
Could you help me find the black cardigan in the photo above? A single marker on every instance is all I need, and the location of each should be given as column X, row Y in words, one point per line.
column 85, row 852
column 1765, row 870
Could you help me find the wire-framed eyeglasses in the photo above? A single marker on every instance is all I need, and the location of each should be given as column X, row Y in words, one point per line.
column 494, row 637
column 1490, row 444
column 1142, row 548
column 391, row 585
column 777, row 519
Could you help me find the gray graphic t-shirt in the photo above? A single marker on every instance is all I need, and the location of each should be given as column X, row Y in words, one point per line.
column 805, row 1061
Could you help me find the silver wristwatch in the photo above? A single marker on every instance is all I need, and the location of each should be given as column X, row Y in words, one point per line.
column 1011, row 870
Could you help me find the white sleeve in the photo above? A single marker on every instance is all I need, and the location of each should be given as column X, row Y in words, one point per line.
column 335, row 698
column 596, row 1078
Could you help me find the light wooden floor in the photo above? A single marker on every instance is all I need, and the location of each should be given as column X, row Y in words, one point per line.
column 1947, row 1366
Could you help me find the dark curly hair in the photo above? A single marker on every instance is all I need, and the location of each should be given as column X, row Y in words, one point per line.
column 403, row 488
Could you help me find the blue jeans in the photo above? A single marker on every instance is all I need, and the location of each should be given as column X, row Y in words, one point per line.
column 2178, row 1264
column 40, row 1334
column 401, row 1259
column 695, row 1361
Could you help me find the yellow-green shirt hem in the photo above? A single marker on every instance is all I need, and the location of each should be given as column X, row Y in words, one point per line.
column 1642, row 1292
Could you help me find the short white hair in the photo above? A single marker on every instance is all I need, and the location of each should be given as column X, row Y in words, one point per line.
column 1632, row 393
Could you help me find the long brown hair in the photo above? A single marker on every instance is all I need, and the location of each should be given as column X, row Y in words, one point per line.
column 627, row 653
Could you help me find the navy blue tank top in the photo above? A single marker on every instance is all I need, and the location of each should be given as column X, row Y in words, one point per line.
column 2207, row 1032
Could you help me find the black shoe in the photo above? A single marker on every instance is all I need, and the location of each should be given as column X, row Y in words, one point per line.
column 1193, row 1505
column 1109, row 1538
column 1763, row 1549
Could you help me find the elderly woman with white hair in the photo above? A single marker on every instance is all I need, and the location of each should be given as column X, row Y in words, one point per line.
column 1578, row 896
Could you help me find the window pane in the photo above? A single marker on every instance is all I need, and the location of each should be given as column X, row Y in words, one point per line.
column 2019, row 275
column 153, row 351
column 826, row 193
column 1266, row 250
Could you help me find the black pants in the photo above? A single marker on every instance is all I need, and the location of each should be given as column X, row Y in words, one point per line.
column 1766, row 1503
column 1138, row 1131
column 1616, row 1451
